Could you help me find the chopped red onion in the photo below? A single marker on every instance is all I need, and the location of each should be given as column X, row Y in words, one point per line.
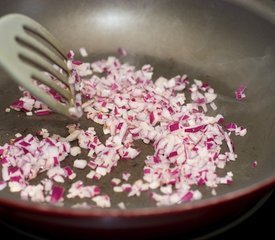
column 83, row 52
column 42, row 112
column 69, row 172
column 102, row 201
column 126, row 176
column 34, row 193
column 187, row 197
column 27, row 156
column 78, row 189
column 80, row 163
column 57, row 194
column 118, row 189
column 254, row 164
column 231, row 127
column 70, row 55
column 174, row 126
column 121, row 205
column 239, row 93
column 130, row 106
column 91, row 174
column 75, row 150
column 115, row 181
column 121, row 52
column 213, row 192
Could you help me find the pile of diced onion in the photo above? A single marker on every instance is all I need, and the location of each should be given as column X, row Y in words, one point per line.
column 131, row 106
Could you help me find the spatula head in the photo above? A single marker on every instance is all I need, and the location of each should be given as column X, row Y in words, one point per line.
column 27, row 51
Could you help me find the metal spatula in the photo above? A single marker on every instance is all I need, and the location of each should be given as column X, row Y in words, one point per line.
column 27, row 50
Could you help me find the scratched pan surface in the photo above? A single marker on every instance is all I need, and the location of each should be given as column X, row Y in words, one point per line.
column 219, row 42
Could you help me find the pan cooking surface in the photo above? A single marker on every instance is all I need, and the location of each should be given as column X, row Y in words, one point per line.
column 205, row 41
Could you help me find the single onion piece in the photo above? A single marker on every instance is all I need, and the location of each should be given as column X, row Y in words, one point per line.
column 231, row 126
column 42, row 112
column 75, row 62
column 174, row 126
column 75, row 150
column 126, row 176
column 70, row 55
column 83, row 52
column 195, row 129
column 115, row 181
column 187, row 197
column 239, row 93
column 102, row 201
column 17, row 105
column 254, row 164
column 121, row 205
column 57, row 194
column 68, row 171
column 121, row 52
column 80, row 163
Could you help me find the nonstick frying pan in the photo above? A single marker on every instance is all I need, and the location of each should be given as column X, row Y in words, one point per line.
column 225, row 43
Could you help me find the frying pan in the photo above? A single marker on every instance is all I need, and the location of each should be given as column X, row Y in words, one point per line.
column 224, row 43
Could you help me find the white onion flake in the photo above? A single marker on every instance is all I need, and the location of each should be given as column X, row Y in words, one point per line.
column 130, row 106
column 80, row 163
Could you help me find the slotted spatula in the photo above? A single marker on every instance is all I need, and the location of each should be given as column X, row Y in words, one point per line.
column 27, row 50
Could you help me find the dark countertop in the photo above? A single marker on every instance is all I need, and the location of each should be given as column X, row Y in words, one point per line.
column 261, row 223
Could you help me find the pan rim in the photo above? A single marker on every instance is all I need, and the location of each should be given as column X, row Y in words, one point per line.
column 48, row 210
